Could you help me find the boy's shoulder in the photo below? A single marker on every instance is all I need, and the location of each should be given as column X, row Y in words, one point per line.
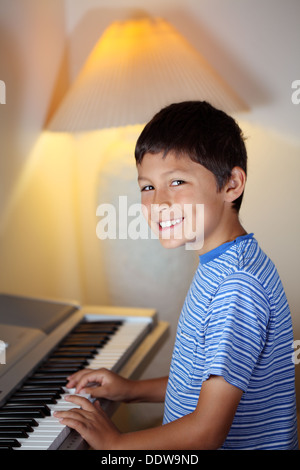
column 242, row 260
column 253, row 267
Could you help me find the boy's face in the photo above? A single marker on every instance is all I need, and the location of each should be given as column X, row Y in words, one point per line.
column 180, row 200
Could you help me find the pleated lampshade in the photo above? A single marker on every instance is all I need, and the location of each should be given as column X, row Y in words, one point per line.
column 138, row 67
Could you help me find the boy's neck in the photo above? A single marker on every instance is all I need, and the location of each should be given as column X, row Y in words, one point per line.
column 223, row 235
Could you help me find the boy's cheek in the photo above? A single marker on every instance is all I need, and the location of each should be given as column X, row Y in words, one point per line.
column 146, row 212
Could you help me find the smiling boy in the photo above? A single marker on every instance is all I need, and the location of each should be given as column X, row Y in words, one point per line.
column 231, row 380
column 173, row 188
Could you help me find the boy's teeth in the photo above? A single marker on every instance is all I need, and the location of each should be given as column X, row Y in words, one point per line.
column 169, row 223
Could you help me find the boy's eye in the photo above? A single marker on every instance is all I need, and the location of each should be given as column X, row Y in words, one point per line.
column 177, row 182
column 147, row 188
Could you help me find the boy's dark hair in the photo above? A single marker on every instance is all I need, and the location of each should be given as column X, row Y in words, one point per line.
column 197, row 129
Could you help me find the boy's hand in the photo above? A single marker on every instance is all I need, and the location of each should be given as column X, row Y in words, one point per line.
column 101, row 383
column 90, row 422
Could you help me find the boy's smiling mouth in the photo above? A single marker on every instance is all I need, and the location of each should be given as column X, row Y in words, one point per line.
column 169, row 223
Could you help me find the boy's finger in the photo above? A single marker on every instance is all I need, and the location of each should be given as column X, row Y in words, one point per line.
column 83, row 402
column 76, row 377
column 88, row 380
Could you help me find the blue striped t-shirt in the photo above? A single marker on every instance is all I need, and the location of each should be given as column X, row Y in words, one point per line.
column 236, row 323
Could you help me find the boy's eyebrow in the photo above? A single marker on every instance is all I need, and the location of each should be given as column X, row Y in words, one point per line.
column 140, row 178
column 166, row 173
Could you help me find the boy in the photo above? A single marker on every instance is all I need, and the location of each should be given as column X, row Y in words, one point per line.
column 231, row 381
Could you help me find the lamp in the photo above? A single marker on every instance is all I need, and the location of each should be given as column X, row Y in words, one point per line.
column 138, row 67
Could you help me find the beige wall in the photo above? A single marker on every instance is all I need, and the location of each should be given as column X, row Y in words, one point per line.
column 32, row 47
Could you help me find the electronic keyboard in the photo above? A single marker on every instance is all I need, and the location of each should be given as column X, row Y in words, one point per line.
column 46, row 341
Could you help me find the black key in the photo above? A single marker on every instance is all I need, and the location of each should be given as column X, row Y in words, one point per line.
column 32, row 399
column 66, row 355
column 9, row 443
column 72, row 354
column 12, row 421
column 68, row 360
column 15, row 427
column 48, row 381
column 29, row 413
column 96, row 326
column 13, row 433
column 43, row 388
column 58, row 368
column 62, row 364
column 85, row 336
column 34, row 393
column 27, row 406
column 80, row 348
column 40, row 375
column 86, row 343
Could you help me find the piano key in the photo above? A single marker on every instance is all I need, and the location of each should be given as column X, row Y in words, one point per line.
column 87, row 340
column 36, row 380
column 86, row 343
column 16, row 433
column 27, row 406
column 80, row 349
column 50, row 375
column 16, row 427
column 31, row 393
column 68, row 361
column 9, row 443
column 85, row 336
column 72, row 354
column 45, row 399
column 12, row 412
column 18, row 420
column 42, row 387
column 97, row 327
column 57, row 369
column 43, row 443
column 54, row 363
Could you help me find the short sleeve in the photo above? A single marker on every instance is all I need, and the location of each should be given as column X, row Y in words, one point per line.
column 236, row 329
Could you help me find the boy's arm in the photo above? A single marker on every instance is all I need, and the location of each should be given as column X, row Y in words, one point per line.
column 149, row 391
column 205, row 428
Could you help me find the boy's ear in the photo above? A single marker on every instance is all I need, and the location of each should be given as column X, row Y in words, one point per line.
column 235, row 185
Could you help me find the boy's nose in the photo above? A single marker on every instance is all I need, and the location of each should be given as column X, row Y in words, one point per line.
column 166, row 211
column 158, row 209
column 162, row 199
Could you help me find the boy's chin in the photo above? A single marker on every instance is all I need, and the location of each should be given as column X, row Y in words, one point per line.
column 171, row 243
column 190, row 245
